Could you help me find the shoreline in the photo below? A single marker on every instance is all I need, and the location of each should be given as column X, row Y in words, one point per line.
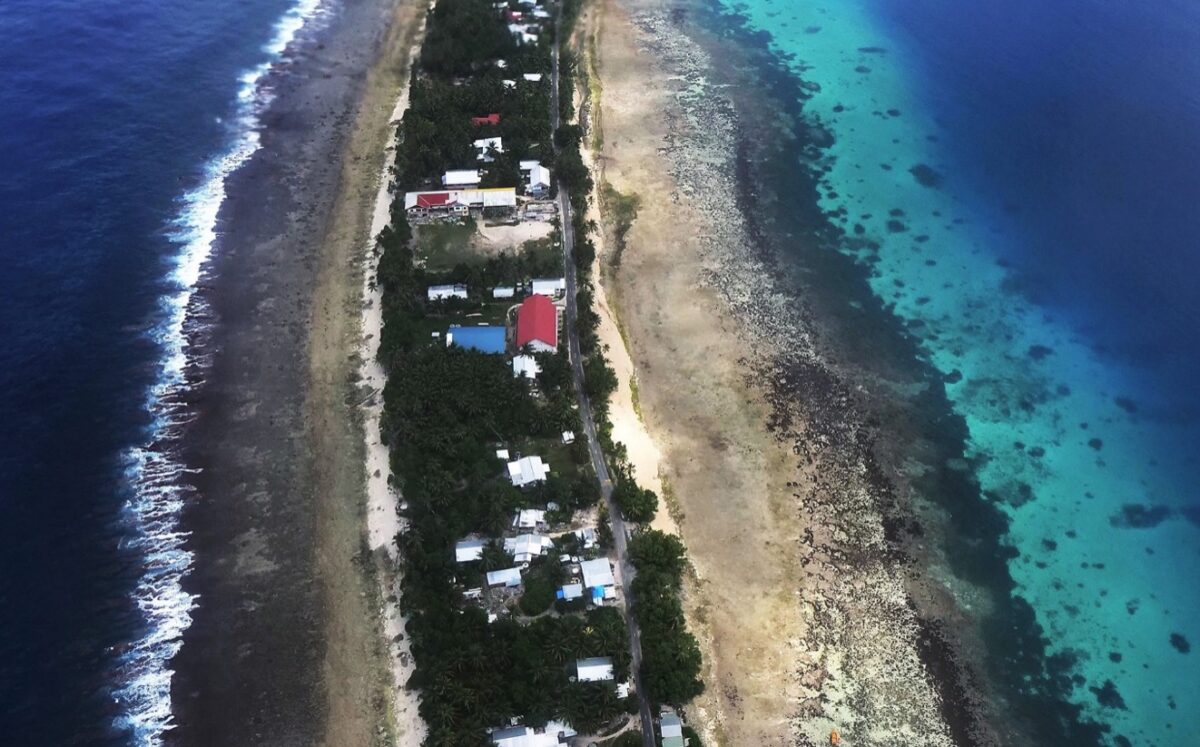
column 286, row 646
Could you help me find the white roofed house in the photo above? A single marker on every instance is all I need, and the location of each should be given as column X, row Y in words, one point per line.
column 568, row 592
column 508, row 577
column 596, row 669
column 555, row 733
column 504, row 291
column 598, row 576
column 527, row 33
column 539, row 181
column 529, row 518
column 459, row 178
column 484, row 147
column 525, row 365
column 550, row 287
column 587, row 537
column 442, row 292
column 527, row 471
column 671, row 729
column 525, row 547
column 468, row 550
column 533, row 77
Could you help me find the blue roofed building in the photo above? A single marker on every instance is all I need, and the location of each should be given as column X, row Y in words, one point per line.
column 486, row 339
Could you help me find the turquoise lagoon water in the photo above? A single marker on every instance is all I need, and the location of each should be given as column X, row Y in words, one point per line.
column 1068, row 358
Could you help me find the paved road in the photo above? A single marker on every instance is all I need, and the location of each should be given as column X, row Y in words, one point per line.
column 620, row 532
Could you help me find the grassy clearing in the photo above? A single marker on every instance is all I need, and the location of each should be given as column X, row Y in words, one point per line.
column 620, row 211
column 634, row 399
column 441, row 246
column 553, row 452
column 674, row 510
column 591, row 79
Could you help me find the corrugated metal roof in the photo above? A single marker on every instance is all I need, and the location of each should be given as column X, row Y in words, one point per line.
column 597, row 572
column 537, row 320
column 506, row 577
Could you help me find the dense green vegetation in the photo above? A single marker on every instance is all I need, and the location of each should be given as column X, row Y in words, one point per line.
column 670, row 654
column 637, row 504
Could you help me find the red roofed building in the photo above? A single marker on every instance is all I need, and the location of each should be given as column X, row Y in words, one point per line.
column 432, row 199
column 491, row 119
column 537, row 324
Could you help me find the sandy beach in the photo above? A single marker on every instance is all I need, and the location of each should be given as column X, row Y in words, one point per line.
column 797, row 595
column 288, row 646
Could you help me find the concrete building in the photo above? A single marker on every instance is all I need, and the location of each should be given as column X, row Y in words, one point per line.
column 458, row 203
column 527, row 471
column 442, row 292
column 537, row 324
column 597, row 669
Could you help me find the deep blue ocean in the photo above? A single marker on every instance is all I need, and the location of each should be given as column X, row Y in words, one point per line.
column 1025, row 175
column 117, row 122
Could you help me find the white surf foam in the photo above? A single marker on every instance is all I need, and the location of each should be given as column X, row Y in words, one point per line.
column 155, row 476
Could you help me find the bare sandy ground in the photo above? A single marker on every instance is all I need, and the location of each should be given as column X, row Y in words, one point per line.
column 728, row 474
column 804, row 620
column 491, row 240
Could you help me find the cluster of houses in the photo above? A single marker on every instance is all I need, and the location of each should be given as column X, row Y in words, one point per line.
column 461, row 195
column 525, row 24
column 538, row 321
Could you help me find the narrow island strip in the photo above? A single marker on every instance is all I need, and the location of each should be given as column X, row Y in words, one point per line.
column 533, row 602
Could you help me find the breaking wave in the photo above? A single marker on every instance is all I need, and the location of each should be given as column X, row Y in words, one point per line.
column 156, row 478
